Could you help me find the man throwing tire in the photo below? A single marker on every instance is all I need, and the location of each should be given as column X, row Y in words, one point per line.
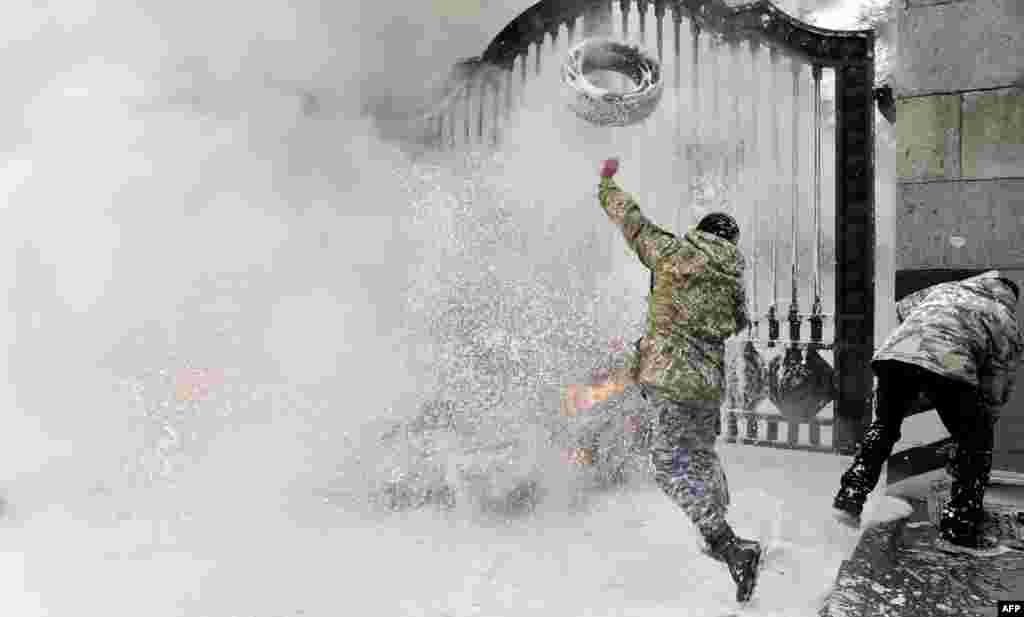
column 960, row 344
column 697, row 302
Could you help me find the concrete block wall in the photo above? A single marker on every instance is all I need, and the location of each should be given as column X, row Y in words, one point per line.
column 960, row 134
column 959, row 86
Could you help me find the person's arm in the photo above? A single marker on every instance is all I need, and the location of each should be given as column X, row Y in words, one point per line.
column 998, row 375
column 998, row 381
column 645, row 238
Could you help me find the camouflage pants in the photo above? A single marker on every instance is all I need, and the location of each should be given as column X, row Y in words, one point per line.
column 686, row 466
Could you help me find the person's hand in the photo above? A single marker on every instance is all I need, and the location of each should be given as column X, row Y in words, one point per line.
column 609, row 168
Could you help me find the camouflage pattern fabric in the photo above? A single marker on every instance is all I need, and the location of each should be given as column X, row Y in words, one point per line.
column 685, row 464
column 965, row 330
column 698, row 301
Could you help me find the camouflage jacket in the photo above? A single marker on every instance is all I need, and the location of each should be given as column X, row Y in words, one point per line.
column 965, row 330
column 698, row 301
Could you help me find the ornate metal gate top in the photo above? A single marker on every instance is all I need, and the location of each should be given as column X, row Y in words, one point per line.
column 759, row 20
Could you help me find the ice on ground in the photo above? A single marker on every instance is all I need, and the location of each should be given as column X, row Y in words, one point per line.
column 882, row 509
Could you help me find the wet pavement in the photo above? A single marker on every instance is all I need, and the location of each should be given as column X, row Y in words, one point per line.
column 896, row 571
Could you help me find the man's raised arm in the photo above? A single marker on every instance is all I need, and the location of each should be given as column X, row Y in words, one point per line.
column 646, row 239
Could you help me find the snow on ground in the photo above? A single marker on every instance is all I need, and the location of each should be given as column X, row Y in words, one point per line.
column 631, row 554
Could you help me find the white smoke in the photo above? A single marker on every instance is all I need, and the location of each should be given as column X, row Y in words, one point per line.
column 195, row 185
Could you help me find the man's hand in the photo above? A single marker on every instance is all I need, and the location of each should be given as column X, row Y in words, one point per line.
column 609, row 168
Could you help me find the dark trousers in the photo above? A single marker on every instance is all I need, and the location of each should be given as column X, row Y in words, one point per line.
column 969, row 422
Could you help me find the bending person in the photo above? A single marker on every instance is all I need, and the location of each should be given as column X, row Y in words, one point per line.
column 960, row 344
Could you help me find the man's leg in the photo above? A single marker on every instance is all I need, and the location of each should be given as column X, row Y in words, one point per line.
column 685, row 463
column 898, row 385
column 688, row 470
column 972, row 426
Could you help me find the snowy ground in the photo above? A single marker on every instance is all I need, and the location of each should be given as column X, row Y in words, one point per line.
column 632, row 554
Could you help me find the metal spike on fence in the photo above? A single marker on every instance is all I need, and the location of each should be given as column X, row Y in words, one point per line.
column 641, row 8
column 624, row 8
column 677, row 94
column 480, row 111
column 794, row 308
column 773, row 318
column 756, row 201
column 659, row 16
column 816, row 309
column 695, row 110
column 677, row 23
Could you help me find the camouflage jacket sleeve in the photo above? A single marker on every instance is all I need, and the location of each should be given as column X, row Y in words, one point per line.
column 644, row 237
column 998, row 375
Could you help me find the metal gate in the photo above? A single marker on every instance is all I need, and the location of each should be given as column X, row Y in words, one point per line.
column 735, row 140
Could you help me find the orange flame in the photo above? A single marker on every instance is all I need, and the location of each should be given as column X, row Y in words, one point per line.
column 584, row 396
column 580, row 456
column 579, row 396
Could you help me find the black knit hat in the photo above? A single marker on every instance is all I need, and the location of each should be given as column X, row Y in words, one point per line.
column 720, row 224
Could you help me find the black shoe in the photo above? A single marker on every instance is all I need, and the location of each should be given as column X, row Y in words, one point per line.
column 851, row 500
column 742, row 557
column 847, row 508
column 976, row 547
column 961, row 524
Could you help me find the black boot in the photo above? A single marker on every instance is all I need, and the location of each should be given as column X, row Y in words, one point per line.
column 961, row 524
column 862, row 476
column 848, row 506
column 741, row 556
